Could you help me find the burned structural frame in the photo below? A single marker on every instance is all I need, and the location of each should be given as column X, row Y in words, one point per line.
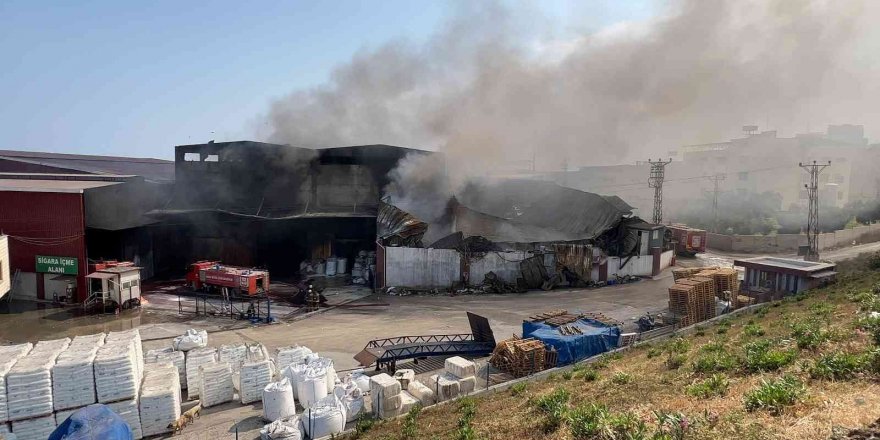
column 268, row 205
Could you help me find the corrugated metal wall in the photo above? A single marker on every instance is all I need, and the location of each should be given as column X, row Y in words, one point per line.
column 504, row 264
column 52, row 218
column 417, row 267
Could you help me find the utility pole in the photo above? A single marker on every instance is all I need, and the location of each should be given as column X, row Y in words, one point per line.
column 655, row 180
column 813, row 217
column 716, row 181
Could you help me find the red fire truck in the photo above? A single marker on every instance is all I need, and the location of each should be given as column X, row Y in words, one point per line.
column 211, row 275
column 688, row 241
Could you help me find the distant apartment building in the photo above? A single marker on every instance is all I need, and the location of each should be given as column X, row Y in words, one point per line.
column 756, row 163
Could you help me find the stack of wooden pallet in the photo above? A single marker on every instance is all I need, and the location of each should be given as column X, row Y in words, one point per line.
column 556, row 321
column 727, row 280
column 684, row 272
column 601, row 317
column 519, row 357
column 692, row 300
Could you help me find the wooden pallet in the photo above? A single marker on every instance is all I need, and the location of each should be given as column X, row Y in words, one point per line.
column 556, row 321
column 598, row 316
column 547, row 315
column 569, row 330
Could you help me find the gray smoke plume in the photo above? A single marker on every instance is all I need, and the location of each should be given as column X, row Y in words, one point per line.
column 480, row 92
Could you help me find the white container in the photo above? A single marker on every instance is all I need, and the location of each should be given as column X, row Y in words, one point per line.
column 278, row 401
column 311, row 389
column 341, row 265
column 330, row 267
column 319, row 268
column 325, row 419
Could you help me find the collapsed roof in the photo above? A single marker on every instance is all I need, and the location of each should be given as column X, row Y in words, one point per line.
column 535, row 211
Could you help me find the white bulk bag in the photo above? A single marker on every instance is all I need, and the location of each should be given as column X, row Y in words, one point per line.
column 286, row 429
column 460, row 367
column 295, row 374
column 421, row 392
column 361, row 379
column 278, row 401
column 325, row 364
column 191, row 339
column 311, row 389
column 326, row 418
column 351, row 398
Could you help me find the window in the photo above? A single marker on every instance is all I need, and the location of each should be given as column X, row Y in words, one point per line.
column 743, row 175
column 192, row 157
column 134, row 283
column 212, row 158
column 656, row 234
column 126, row 285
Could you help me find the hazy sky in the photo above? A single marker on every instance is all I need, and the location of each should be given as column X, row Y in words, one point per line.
column 137, row 78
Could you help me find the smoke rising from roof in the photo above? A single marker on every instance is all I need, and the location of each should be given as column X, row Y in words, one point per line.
column 479, row 91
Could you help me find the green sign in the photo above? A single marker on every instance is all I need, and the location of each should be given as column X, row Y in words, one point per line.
column 58, row 265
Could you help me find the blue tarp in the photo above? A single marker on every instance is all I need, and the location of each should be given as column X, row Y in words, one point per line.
column 94, row 422
column 596, row 338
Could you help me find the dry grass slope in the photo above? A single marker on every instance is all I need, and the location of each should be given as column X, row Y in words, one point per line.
column 793, row 369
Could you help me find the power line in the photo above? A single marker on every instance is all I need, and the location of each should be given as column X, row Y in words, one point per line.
column 655, row 180
column 813, row 217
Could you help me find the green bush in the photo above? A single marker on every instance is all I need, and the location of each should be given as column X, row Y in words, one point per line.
column 715, row 362
column 715, row 385
column 467, row 409
column 713, row 347
column 364, row 424
column 808, row 334
column 774, row 395
column 590, row 375
column 675, row 361
column 409, row 423
column 760, row 357
column 872, row 326
column 518, row 389
column 567, row 375
column 822, row 310
column 753, row 330
column 593, row 421
column 621, row 378
column 837, row 366
column 653, row 352
column 678, row 345
column 555, row 408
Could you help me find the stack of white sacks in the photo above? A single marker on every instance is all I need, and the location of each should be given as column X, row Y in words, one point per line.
column 73, row 376
column 159, row 399
column 195, row 359
column 294, row 354
column 9, row 355
column 234, row 355
column 385, row 396
column 215, row 384
column 459, row 378
column 128, row 411
column 39, row 428
column 255, row 375
column 169, row 355
column 117, row 375
column 133, row 335
column 29, row 386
